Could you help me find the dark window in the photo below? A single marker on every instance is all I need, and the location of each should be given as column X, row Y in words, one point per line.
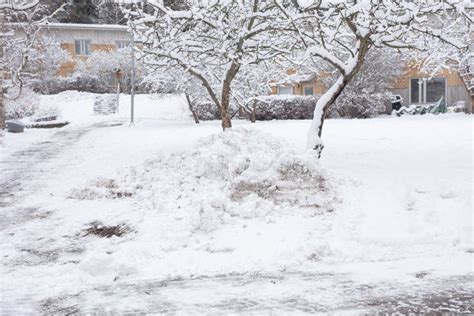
column 308, row 91
column 427, row 90
column 122, row 44
column 435, row 89
column 415, row 90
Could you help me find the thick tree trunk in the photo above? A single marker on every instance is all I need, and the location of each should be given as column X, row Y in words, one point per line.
column 225, row 103
column 225, row 115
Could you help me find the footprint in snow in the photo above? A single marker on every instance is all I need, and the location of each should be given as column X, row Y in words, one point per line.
column 447, row 195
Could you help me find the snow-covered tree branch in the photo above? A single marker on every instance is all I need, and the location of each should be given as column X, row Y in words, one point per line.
column 23, row 52
column 340, row 34
column 210, row 40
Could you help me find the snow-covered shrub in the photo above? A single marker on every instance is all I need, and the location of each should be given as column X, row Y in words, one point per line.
column 360, row 104
column 83, row 83
column 47, row 111
column 368, row 94
column 25, row 105
column 284, row 107
column 206, row 110
column 102, row 65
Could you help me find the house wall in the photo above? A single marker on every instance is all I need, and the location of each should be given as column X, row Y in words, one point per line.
column 318, row 87
column 101, row 40
column 97, row 35
column 298, row 89
column 455, row 88
column 67, row 68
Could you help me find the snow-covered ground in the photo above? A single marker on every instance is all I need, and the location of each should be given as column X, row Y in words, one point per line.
column 383, row 222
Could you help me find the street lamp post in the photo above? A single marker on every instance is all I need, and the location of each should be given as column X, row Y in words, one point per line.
column 132, row 92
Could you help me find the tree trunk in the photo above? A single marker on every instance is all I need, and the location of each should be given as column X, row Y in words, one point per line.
column 190, row 105
column 322, row 106
column 225, row 115
column 2, row 100
column 330, row 96
column 253, row 115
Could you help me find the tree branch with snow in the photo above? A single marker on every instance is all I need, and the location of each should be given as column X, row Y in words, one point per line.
column 340, row 34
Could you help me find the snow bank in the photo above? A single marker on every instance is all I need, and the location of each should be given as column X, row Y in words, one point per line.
column 78, row 107
column 157, row 107
column 251, row 173
column 216, row 206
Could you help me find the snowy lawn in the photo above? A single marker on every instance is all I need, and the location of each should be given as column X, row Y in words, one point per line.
column 389, row 202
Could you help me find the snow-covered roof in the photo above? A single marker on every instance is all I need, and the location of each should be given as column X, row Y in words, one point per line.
column 294, row 79
column 77, row 26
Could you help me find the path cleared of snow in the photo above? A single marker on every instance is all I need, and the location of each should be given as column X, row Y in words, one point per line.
column 402, row 222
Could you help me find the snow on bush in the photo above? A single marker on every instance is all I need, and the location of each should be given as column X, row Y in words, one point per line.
column 82, row 83
column 270, row 107
column 25, row 105
column 206, row 110
column 284, row 107
column 360, row 104
column 47, row 111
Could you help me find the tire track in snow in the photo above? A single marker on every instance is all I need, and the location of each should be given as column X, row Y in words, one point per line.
column 265, row 293
column 20, row 170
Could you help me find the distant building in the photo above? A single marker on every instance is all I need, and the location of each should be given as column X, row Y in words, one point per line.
column 414, row 86
column 80, row 40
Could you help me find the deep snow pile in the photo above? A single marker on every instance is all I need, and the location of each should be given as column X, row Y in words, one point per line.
column 238, row 200
column 244, row 173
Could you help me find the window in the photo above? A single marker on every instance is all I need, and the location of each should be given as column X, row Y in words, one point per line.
column 83, row 47
column 308, row 90
column 122, row 44
column 416, row 90
column 435, row 89
column 423, row 90
column 285, row 90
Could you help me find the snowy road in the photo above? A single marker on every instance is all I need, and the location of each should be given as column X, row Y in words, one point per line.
column 379, row 262
column 280, row 293
column 23, row 171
